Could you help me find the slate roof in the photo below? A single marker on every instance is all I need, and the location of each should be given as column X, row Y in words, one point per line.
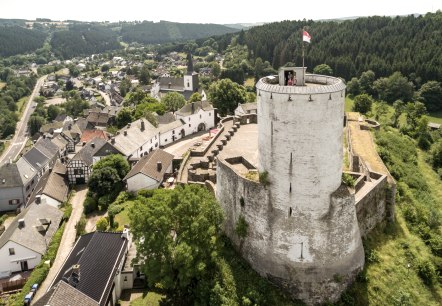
column 26, row 170
column 71, row 128
column 28, row 235
column 56, row 187
column 175, row 83
column 87, row 152
column 51, row 127
column 249, row 106
column 47, row 147
column 95, row 275
column 10, row 176
column 91, row 134
column 135, row 136
column 60, row 142
column 36, row 158
column 63, row 294
column 98, row 118
column 147, row 165
column 83, row 124
column 166, row 118
column 194, row 107
column 59, row 168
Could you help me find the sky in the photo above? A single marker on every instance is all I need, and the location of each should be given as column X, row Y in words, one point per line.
column 200, row 11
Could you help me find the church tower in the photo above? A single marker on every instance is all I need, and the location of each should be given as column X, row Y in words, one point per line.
column 191, row 80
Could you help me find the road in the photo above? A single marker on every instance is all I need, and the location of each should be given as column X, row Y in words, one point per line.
column 21, row 130
column 67, row 241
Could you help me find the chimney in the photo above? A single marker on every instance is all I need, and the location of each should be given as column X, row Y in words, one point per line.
column 159, row 166
column 92, row 144
column 142, row 125
column 74, row 278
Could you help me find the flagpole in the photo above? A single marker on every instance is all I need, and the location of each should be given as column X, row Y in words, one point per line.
column 303, row 71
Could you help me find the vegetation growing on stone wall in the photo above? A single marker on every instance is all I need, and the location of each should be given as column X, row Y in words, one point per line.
column 348, row 180
column 241, row 227
column 264, row 178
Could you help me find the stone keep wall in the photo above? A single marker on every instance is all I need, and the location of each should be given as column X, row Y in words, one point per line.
column 303, row 230
column 273, row 246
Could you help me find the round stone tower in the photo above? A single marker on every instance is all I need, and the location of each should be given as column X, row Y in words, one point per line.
column 315, row 249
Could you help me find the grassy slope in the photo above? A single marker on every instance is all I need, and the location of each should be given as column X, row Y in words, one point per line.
column 149, row 298
column 21, row 104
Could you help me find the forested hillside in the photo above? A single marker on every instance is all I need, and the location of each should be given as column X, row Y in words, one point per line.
column 382, row 44
column 84, row 39
column 149, row 32
column 16, row 40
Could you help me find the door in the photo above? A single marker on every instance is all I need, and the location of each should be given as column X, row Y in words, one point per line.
column 24, row 265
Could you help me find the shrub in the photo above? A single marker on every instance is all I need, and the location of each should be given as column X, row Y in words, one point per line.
column 242, row 202
column 90, row 204
column 264, row 178
column 363, row 103
column 67, row 211
column 102, row 224
column 80, row 227
column 348, row 180
column 427, row 272
column 146, row 193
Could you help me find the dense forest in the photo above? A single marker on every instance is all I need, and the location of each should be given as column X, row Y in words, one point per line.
column 381, row 44
column 84, row 39
column 149, row 32
column 16, row 40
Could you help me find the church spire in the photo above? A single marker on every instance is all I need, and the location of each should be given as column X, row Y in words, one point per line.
column 189, row 64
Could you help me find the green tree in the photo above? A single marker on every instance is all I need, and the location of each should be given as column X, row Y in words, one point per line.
column 75, row 106
column 436, row 154
column 323, row 69
column 354, row 87
column 195, row 97
column 103, row 181
column 380, row 109
column 176, row 233
column 414, row 111
column 124, row 117
column 173, row 101
column 431, row 95
column 366, row 81
column 225, row 95
column 124, row 87
column 363, row 103
column 35, row 123
column 144, row 75
column 394, row 87
column 102, row 224
column 105, row 68
column 216, row 69
column 399, row 108
column 116, row 162
column 53, row 111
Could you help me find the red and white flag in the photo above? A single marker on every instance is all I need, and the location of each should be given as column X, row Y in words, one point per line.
column 306, row 37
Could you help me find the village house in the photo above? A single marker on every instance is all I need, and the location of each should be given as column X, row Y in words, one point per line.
column 56, row 189
column 26, row 239
column 88, row 281
column 80, row 166
column 148, row 172
column 246, row 108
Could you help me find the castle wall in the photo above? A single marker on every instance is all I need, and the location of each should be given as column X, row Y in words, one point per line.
column 371, row 207
column 313, row 261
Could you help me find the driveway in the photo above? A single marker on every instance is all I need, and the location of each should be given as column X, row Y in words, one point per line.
column 67, row 241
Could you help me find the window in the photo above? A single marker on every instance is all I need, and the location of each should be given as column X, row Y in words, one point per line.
column 210, row 114
column 11, row 251
column 189, row 119
column 27, row 187
column 156, row 145
column 165, row 140
column 32, row 182
column 78, row 171
column 14, row 202
column 190, row 125
column 200, row 116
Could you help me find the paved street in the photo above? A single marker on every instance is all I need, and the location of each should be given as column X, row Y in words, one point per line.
column 21, row 131
column 67, row 241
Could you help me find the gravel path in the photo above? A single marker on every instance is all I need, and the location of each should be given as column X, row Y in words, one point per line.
column 67, row 241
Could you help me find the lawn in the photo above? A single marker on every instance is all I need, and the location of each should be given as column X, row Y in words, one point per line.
column 435, row 117
column 348, row 104
column 149, row 298
column 122, row 218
